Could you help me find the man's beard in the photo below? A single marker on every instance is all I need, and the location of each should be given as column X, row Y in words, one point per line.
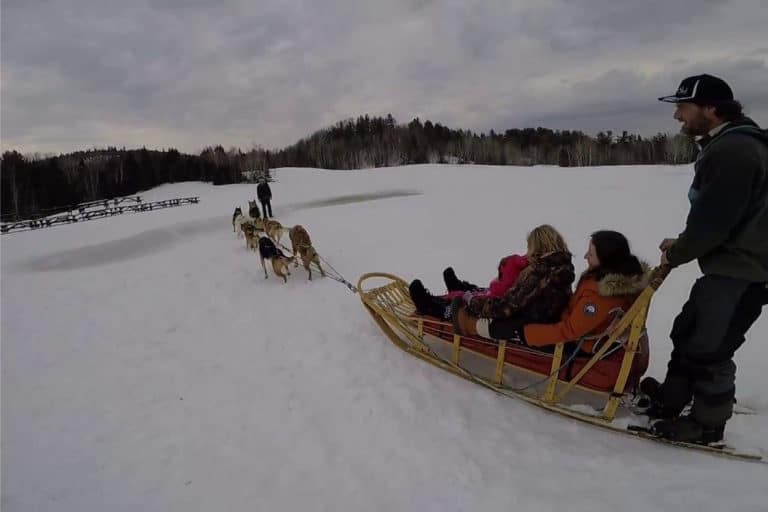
column 695, row 127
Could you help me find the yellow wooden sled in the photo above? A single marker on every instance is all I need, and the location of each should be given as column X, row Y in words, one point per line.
column 386, row 298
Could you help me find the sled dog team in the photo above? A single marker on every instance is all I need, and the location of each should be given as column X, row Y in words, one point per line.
column 264, row 234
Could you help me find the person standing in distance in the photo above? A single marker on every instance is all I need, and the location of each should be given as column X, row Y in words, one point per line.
column 264, row 193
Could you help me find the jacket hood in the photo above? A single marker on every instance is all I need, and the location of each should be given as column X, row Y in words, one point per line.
column 611, row 285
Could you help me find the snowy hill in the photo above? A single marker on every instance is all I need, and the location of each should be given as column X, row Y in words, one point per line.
column 148, row 365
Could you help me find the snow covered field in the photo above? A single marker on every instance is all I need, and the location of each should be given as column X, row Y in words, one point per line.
column 148, row 365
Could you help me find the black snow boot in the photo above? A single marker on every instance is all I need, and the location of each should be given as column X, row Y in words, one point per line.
column 651, row 388
column 649, row 393
column 452, row 283
column 426, row 303
column 688, row 430
column 652, row 399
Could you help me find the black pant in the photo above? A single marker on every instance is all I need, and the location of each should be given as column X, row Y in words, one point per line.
column 507, row 328
column 705, row 336
column 266, row 206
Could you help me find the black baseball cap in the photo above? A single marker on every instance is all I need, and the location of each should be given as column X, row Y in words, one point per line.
column 701, row 89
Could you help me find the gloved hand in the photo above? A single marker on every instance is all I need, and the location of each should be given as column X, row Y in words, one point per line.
column 666, row 244
column 467, row 297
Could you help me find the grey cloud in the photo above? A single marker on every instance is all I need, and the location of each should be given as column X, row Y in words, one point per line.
column 187, row 74
column 623, row 99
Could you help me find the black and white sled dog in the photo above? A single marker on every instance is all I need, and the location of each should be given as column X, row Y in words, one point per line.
column 269, row 251
column 235, row 224
column 241, row 220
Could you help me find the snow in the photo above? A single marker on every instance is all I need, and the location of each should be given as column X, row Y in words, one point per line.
column 148, row 365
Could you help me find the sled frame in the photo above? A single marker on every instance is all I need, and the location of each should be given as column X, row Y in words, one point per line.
column 394, row 312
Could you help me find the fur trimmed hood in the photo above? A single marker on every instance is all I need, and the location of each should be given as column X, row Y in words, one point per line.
column 612, row 285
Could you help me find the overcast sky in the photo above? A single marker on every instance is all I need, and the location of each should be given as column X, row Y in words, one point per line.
column 191, row 73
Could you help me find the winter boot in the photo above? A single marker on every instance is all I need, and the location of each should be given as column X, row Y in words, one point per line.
column 688, row 430
column 649, row 392
column 452, row 283
column 651, row 388
column 652, row 403
column 653, row 399
column 426, row 303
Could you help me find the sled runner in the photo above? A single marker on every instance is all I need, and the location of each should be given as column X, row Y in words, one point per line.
column 593, row 386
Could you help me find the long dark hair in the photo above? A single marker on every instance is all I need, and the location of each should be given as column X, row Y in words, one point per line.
column 615, row 257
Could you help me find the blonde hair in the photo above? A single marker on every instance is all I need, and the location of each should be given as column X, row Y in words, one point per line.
column 545, row 239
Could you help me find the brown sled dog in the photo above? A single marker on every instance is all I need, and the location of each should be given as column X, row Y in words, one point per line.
column 273, row 230
column 251, row 235
column 258, row 224
column 301, row 245
column 280, row 262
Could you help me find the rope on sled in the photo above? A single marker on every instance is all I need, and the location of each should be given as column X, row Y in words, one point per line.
column 337, row 275
column 333, row 274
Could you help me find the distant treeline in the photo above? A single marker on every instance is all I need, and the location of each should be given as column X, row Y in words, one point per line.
column 34, row 185
column 380, row 142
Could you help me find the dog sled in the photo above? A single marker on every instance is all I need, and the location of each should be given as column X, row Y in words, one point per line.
column 596, row 386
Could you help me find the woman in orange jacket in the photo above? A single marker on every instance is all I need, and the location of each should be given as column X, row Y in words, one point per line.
column 613, row 279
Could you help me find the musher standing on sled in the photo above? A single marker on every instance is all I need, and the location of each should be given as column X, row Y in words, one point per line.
column 727, row 231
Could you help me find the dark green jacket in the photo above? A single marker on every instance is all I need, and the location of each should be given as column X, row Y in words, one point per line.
column 727, row 226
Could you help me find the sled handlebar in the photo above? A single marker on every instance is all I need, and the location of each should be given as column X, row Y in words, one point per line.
column 658, row 275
